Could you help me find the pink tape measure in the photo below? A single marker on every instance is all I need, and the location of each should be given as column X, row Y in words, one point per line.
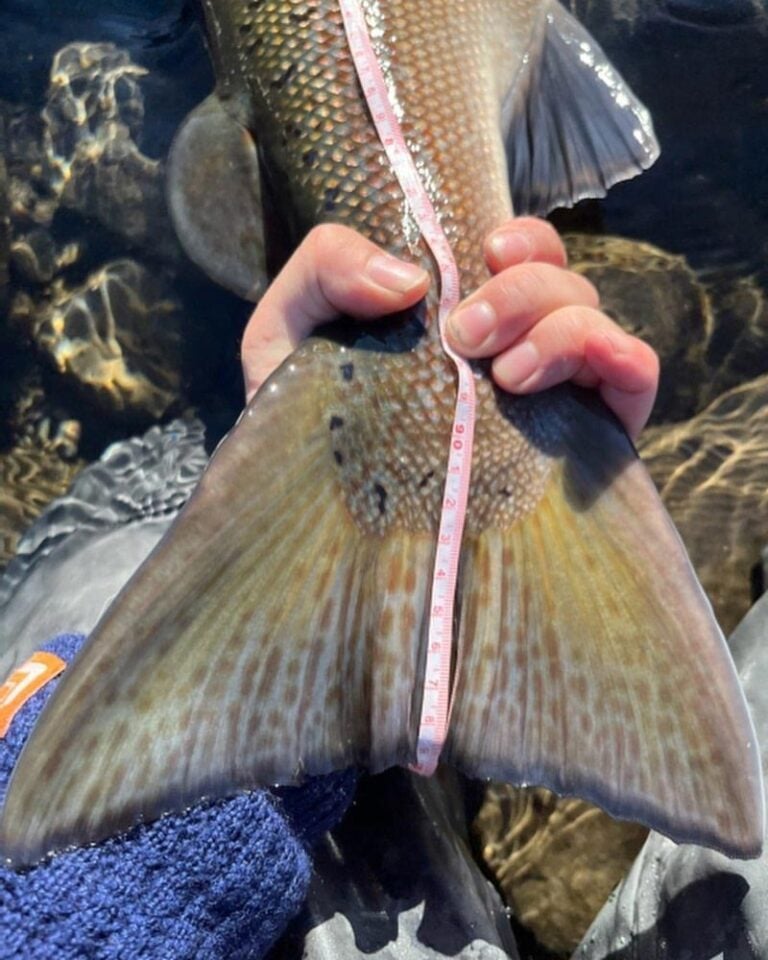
column 436, row 702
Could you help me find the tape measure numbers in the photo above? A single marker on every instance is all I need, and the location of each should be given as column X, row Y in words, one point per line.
column 435, row 710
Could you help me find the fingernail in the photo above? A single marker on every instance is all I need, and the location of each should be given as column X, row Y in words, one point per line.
column 472, row 324
column 517, row 365
column 511, row 247
column 394, row 274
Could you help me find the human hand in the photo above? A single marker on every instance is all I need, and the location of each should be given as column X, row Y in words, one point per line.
column 542, row 325
column 537, row 305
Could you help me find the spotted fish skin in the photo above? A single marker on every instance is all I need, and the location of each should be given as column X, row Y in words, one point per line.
column 325, row 164
column 279, row 630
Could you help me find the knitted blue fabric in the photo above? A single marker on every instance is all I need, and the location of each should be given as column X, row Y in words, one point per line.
column 220, row 881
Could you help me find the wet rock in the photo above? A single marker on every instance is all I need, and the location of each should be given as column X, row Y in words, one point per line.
column 711, row 472
column 657, row 296
column 555, row 859
column 117, row 337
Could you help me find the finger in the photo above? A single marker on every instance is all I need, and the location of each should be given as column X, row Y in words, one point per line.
column 523, row 239
column 584, row 345
column 628, row 370
column 511, row 303
column 333, row 271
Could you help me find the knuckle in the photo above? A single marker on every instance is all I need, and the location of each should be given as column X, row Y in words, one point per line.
column 575, row 321
column 524, row 287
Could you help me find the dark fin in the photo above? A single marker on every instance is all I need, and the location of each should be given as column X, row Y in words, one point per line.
column 589, row 659
column 574, row 128
column 214, row 195
column 266, row 638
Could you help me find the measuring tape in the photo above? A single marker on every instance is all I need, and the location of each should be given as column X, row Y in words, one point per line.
column 435, row 708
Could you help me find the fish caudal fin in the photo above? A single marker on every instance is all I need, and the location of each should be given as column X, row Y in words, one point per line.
column 589, row 659
column 573, row 127
column 266, row 638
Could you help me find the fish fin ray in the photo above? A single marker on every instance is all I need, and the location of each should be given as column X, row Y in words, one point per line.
column 589, row 659
column 574, row 127
column 268, row 637
column 215, row 199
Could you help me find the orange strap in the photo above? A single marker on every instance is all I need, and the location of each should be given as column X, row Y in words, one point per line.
column 24, row 683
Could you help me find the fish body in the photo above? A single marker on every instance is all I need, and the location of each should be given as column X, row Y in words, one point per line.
column 280, row 628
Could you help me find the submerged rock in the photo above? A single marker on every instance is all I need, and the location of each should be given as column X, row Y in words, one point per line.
column 5, row 228
column 711, row 472
column 118, row 338
column 555, row 859
column 656, row 296
column 738, row 348
column 37, row 467
column 32, row 474
column 92, row 122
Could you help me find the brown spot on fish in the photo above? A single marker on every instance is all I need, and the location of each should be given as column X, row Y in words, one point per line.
column 274, row 718
column 292, row 668
column 408, row 619
column 327, row 617
column 199, row 675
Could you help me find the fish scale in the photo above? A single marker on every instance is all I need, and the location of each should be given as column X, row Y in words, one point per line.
column 312, row 110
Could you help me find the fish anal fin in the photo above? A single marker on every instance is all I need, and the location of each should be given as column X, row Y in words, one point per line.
column 573, row 126
column 589, row 659
column 269, row 636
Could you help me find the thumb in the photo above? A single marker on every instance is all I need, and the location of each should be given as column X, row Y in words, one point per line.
column 334, row 271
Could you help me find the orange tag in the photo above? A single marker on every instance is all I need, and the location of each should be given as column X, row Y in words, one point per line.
column 24, row 682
